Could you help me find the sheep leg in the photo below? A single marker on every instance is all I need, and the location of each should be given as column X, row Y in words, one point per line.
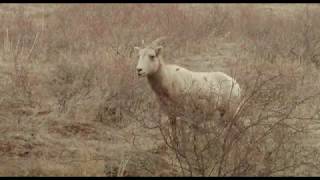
column 173, row 126
column 228, row 118
column 184, row 135
column 222, row 112
column 223, row 116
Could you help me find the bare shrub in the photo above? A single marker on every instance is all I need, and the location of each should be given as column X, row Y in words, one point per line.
column 306, row 46
column 87, row 50
column 267, row 143
column 272, row 37
column 69, row 80
column 19, row 80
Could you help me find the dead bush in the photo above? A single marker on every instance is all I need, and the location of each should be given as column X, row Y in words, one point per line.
column 70, row 80
column 267, row 143
column 87, row 50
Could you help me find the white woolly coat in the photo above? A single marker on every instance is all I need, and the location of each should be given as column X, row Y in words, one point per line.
column 206, row 90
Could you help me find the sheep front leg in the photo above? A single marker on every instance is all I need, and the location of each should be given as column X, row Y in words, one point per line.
column 173, row 127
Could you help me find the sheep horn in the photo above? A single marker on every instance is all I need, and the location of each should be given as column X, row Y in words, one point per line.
column 158, row 40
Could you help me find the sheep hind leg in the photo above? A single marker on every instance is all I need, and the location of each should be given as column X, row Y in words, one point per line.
column 222, row 113
column 222, row 116
column 228, row 117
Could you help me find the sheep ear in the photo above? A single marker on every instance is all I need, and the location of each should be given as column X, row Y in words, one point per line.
column 158, row 50
column 137, row 48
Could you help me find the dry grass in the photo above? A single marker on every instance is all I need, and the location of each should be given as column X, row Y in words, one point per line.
column 72, row 105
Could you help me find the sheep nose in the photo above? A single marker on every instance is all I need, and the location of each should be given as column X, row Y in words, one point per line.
column 139, row 69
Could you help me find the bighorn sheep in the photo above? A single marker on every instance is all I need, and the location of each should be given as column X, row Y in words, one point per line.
column 175, row 85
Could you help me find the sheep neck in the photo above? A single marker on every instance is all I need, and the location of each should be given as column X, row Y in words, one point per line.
column 157, row 81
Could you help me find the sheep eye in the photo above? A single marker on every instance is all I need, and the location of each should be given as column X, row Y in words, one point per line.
column 151, row 57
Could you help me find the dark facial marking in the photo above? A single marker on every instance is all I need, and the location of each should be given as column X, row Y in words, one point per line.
column 177, row 69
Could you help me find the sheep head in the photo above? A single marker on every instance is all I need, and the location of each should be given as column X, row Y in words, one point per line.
column 149, row 57
column 149, row 60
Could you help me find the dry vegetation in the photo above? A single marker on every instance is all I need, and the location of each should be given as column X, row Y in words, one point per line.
column 72, row 105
